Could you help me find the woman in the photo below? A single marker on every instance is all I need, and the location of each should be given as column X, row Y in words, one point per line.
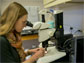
column 12, row 21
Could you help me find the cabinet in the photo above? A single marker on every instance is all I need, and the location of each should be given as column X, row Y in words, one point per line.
column 50, row 3
column 47, row 1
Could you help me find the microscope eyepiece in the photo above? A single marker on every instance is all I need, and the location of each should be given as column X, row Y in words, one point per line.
column 29, row 24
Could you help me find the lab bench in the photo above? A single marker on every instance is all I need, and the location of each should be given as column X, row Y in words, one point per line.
column 75, row 55
column 30, row 41
column 29, row 32
column 29, row 37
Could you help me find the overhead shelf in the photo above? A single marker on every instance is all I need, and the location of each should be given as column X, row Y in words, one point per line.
column 51, row 3
column 47, row 1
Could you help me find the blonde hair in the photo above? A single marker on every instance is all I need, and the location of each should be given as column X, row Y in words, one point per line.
column 9, row 17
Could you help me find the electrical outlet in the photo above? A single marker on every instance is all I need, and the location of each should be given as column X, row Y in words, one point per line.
column 71, row 28
column 79, row 30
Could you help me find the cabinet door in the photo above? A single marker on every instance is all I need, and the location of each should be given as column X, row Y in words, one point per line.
column 50, row 3
column 47, row 1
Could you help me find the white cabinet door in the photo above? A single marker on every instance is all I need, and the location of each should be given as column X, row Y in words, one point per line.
column 47, row 1
column 50, row 3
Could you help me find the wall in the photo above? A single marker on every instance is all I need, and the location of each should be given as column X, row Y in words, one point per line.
column 83, row 18
column 0, row 7
column 73, row 16
column 5, row 3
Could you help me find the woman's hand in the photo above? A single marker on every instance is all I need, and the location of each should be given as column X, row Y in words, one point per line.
column 39, row 52
column 35, row 50
column 29, row 52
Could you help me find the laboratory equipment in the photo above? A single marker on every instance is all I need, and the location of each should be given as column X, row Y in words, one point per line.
column 45, row 33
column 77, row 53
column 64, row 44
column 59, row 33
column 29, row 24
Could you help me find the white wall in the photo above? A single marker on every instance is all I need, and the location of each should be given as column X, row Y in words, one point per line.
column 83, row 18
column 5, row 3
column 73, row 16
column 0, row 7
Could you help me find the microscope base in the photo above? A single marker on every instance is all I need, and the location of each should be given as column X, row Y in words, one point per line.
column 52, row 55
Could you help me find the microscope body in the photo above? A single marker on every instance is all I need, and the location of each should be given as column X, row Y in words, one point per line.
column 44, row 33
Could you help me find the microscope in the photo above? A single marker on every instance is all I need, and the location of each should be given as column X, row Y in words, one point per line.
column 65, row 46
column 44, row 33
column 65, row 42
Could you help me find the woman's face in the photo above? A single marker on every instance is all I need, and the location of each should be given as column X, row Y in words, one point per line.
column 21, row 23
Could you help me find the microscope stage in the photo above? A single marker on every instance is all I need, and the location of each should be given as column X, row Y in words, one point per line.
column 51, row 55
